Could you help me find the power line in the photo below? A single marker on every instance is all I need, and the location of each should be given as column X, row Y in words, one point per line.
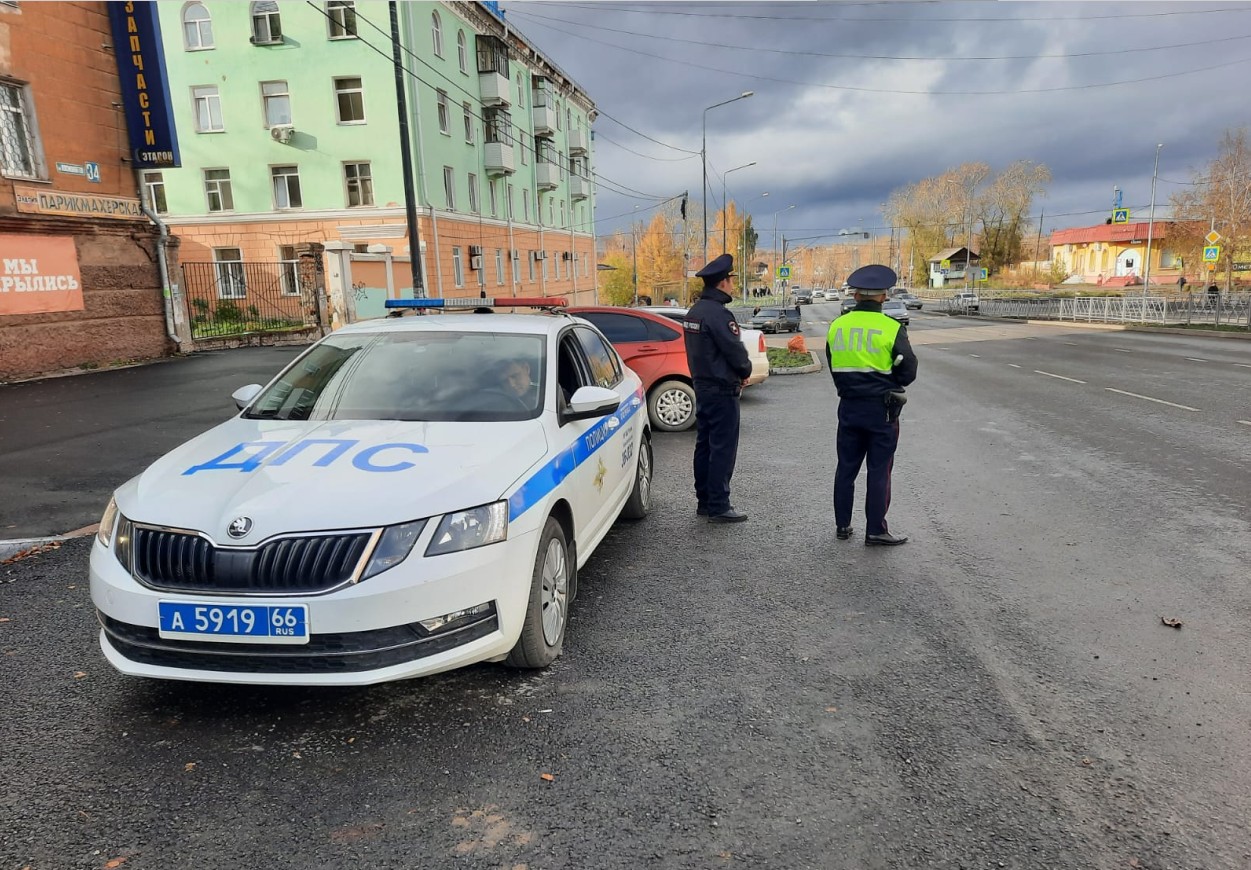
column 653, row 10
column 793, row 51
column 631, row 129
column 757, row 77
column 600, row 135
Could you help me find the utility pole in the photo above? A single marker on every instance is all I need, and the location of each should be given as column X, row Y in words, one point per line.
column 1146, row 266
column 406, row 157
column 1038, row 245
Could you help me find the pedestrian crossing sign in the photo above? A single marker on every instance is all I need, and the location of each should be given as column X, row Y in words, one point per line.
column 1120, row 215
column 1211, row 253
column 784, row 271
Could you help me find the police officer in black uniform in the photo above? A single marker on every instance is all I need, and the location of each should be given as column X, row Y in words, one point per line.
column 871, row 362
column 719, row 366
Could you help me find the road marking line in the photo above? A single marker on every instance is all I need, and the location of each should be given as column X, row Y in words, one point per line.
column 1061, row 377
column 1149, row 399
column 1242, row 365
column 1014, row 365
column 1122, row 350
column 1245, row 422
column 1195, row 359
column 1071, row 343
column 975, row 356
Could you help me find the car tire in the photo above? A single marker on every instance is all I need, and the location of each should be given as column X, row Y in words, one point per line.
column 639, row 504
column 671, row 406
column 547, row 613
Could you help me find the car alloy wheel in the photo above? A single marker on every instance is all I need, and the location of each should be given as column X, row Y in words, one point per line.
column 554, row 593
column 672, row 406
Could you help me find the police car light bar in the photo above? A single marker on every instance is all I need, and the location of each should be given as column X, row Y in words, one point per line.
column 473, row 302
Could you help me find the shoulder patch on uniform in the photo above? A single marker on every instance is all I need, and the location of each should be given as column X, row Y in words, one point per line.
column 734, row 327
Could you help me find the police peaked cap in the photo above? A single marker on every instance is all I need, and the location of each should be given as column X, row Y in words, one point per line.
column 717, row 270
column 874, row 279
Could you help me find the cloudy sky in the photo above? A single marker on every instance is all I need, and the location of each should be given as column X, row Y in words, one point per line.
column 855, row 99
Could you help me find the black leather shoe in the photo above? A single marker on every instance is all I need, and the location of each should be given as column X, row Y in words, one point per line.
column 886, row 539
column 701, row 511
column 843, row 532
column 730, row 516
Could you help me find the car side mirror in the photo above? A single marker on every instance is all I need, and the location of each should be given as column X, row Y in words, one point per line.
column 244, row 395
column 590, row 402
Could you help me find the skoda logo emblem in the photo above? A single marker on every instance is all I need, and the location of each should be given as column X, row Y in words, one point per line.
column 239, row 527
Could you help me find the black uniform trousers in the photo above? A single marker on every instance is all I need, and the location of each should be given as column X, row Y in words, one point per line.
column 716, row 445
column 864, row 431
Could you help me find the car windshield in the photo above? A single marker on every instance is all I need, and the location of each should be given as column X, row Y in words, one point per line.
column 770, row 312
column 892, row 303
column 411, row 375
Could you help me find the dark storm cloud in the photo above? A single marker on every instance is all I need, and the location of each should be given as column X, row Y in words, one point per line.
column 837, row 154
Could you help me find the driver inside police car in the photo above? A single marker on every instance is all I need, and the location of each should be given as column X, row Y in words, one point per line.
column 514, row 378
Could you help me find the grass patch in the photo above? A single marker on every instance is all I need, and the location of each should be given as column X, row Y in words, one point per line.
column 782, row 358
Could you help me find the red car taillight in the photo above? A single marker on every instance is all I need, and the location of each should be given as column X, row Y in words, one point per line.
column 762, row 344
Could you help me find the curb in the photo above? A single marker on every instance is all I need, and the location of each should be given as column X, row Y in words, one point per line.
column 1111, row 327
column 799, row 370
column 11, row 548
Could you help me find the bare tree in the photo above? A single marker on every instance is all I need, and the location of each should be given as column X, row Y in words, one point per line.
column 1220, row 200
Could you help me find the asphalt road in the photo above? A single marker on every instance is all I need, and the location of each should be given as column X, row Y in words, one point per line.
column 1000, row 692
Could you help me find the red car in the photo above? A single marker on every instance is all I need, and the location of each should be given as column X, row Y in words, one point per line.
column 653, row 347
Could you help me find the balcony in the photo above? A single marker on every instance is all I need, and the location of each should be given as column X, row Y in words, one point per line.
column 546, row 175
column 495, row 89
column 579, row 141
column 579, row 188
column 544, row 121
column 499, row 159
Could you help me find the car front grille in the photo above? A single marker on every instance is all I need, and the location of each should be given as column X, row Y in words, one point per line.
column 350, row 652
column 184, row 562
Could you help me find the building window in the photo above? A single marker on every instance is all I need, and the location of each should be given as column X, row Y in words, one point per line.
column 286, row 181
column 208, row 109
column 521, row 91
column 276, row 98
column 266, row 23
column 494, row 200
column 462, row 52
column 445, row 124
column 521, row 140
column 289, row 270
column 154, row 191
column 197, row 27
column 525, row 206
column 449, row 188
column 532, row 265
column 499, row 265
column 468, row 112
column 350, row 100
column 217, row 189
column 458, row 268
column 473, row 193
column 550, row 213
column 492, row 55
column 436, row 36
column 231, row 282
column 516, row 267
column 360, row 184
column 562, row 213
column 20, row 154
column 568, row 119
column 510, row 201
column 498, row 126
column 342, row 18
column 546, row 270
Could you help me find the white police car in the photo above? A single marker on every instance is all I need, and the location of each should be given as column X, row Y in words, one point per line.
column 409, row 496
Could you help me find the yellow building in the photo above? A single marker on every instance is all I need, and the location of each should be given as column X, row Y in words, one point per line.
column 1114, row 255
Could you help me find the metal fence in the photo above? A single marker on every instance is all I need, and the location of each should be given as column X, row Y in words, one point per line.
column 232, row 297
column 1228, row 310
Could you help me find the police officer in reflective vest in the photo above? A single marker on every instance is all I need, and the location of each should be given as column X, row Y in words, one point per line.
column 719, row 367
column 871, row 362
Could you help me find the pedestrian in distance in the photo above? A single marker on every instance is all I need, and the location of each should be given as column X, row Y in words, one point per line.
column 720, row 367
column 871, row 362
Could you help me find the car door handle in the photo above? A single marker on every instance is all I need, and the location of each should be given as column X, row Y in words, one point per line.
column 648, row 348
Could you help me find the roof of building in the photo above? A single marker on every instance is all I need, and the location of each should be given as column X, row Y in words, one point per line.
column 1108, row 233
column 951, row 254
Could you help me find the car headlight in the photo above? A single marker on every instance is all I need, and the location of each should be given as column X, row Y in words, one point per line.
column 107, row 522
column 393, row 547
column 475, row 527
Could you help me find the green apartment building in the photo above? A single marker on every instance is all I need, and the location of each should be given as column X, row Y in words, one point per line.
column 289, row 131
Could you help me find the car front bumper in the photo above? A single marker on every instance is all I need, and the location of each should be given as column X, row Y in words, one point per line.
column 358, row 635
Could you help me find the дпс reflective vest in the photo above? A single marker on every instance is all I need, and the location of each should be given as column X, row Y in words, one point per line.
column 863, row 341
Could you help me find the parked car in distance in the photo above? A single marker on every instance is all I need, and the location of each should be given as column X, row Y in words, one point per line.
column 802, row 297
column 895, row 308
column 818, row 295
column 776, row 320
column 653, row 347
column 753, row 339
column 965, row 301
column 910, row 301
column 849, row 302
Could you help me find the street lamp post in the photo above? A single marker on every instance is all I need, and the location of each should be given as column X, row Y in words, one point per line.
column 1146, row 266
column 775, row 238
column 725, row 205
column 703, row 153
